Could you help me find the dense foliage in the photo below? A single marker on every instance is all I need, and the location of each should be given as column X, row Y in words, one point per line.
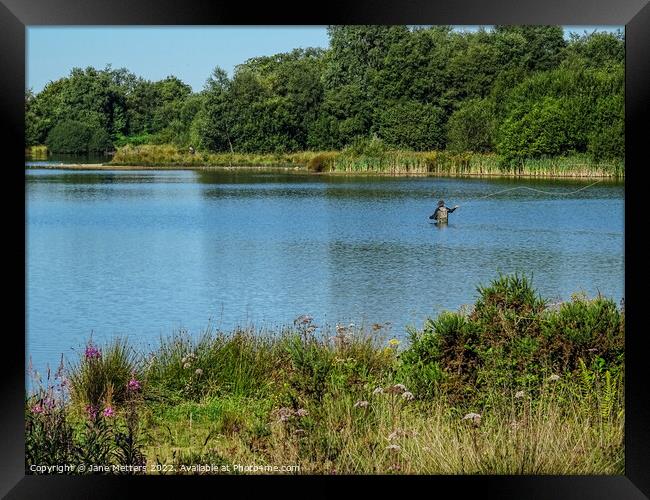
column 512, row 338
column 523, row 92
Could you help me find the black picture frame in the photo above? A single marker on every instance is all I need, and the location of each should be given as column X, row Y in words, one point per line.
column 16, row 15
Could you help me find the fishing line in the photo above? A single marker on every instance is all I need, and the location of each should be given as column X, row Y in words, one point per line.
column 540, row 191
column 552, row 193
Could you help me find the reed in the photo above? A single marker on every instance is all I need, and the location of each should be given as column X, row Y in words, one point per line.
column 382, row 162
column 171, row 156
column 36, row 152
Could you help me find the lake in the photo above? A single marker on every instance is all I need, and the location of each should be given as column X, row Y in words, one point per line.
column 145, row 253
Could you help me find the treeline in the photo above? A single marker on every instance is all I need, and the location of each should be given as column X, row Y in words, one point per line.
column 519, row 91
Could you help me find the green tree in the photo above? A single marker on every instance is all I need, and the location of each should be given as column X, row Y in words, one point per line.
column 546, row 129
column 214, row 124
column 534, row 48
column 412, row 125
column 472, row 126
column 595, row 50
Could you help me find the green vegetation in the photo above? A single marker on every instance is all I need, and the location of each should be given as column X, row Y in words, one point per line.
column 372, row 156
column 36, row 152
column 513, row 385
column 76, row 137
column 520, row 94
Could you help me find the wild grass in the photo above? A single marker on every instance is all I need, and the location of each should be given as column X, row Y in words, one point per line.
column 172, row 156
column 36, row 152
column 513, row 386
column 101, row 376
column 383, row 160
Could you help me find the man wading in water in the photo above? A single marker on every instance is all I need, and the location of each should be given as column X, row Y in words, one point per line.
column 440, row 215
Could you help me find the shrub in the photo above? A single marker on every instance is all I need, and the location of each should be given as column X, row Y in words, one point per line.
column 76, row 137
column 511, row 339
column 584, row 329
column 366, row 146
column 99, row 141
column 321, row 162
column 68, row 137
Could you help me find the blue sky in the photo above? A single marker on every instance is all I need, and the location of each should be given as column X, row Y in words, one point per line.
column 190, row 53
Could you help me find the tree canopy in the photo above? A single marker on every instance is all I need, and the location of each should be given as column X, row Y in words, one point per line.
column 518, row 91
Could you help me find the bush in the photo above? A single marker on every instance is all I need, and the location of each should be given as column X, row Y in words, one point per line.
column 511, row 339
column 68, row 137
column 607, row 139
column 321, row 162
column 99, row 141
column 76, row 137
column 583, row 329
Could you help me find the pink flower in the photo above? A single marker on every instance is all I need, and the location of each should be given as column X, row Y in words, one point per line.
column 134, row 384
column 92, row 352
column 108, row 412
column 38, row 409
column 91, row 411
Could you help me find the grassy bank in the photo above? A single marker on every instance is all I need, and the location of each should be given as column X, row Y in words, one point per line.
column 371, row 161
column 513, row 386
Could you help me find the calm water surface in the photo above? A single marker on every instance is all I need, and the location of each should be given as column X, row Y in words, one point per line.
column 142, row 254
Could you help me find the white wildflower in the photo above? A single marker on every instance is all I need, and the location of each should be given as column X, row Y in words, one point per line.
column 408, row 396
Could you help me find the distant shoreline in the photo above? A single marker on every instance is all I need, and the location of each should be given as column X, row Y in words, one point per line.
column 303, row 170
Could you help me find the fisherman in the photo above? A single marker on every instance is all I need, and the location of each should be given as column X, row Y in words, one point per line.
column 440, row 215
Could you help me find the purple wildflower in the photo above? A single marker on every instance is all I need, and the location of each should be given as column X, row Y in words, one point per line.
column 108, row 411
column 134, row 384
column 91, row 411
column 37, row 409
column 92, row 352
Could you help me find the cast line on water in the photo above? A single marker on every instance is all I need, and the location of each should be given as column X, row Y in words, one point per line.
column 552, row 193
column 555, row 193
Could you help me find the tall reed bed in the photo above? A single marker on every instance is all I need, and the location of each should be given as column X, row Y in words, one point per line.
column 445, row 163
column 378, row 160
column 172, row 156
column 36, row 152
